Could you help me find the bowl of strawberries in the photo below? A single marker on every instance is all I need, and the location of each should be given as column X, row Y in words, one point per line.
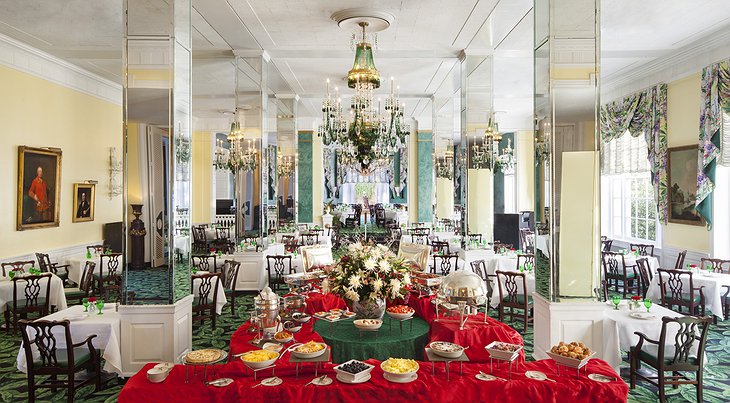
column 400, row 312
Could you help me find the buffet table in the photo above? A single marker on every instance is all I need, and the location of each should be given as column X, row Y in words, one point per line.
column 347, row 343
column 568, row 387
column 318, row 302
column 476, row 334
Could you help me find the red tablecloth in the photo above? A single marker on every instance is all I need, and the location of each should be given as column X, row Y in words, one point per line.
column 423, row 306
column 568, row 388
column 476, row 334
column 317, row 302
column 241, row 337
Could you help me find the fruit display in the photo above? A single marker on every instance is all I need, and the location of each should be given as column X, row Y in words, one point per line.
column 354, row 367
column 399, row 365
column 259, row 356
column 400, row 309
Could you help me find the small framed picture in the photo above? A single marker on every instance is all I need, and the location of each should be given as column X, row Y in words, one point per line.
column 39, row 180
column 84, row 198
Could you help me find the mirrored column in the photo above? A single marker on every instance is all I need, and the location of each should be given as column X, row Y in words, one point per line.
column 286, row 158
column 157, row 121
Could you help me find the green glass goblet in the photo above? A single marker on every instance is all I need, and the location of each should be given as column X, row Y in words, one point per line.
column 99, row 306
column 616, row 301
column 11, row 274
column 85, row 302
column 647, row 304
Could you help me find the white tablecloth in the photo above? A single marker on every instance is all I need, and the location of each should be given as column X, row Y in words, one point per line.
column 471, row 255
column 619, row 328
column 713, row 290
column 630, row 260
column 106, row 327
column 500, row 262
column 57, row 296
column 220, row 298
column 542, row 244
column 76, row 267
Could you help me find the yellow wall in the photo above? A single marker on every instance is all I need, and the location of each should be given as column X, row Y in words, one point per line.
column 525, row 171
column 38, row 113
column 134, row 184
column 202, row 165
column 683, row 122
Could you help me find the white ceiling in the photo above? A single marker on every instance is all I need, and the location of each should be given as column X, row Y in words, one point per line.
column 420, row 49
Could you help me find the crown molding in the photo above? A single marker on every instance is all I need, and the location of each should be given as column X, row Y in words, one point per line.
column 25, row 58
column 688, row 60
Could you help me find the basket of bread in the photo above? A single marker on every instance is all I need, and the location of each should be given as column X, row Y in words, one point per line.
column 573, row 355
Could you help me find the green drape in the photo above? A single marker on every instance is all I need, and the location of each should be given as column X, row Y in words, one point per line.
column 645, row 113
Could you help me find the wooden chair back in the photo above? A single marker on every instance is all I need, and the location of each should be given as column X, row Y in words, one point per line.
column 19, row 266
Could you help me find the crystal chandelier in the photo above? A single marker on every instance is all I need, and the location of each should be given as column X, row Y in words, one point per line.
column 285, row 165
column 242, row 154
column 487, row 154
column 368, row 140
column 220, row 159
column 445, row 164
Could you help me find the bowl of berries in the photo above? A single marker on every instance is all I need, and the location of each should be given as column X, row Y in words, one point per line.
column 353, row 371
column 400, row 312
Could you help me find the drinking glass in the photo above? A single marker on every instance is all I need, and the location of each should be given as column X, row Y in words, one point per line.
column 647, row 304
column 11, row 274
column 99, row 305
column 616, row 301
column 85, row 302
column 522, row 268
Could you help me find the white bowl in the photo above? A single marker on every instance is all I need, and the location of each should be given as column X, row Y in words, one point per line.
column 165, row 366
column 156, row 375
column 397, row 376
column 275, row 347
column 259, row 364
column 446, row 354
column 359, row 324
column 309, row 355
column 354, row 378
column 284, row 341
column 301, row 317
column 502, row 354
column 293, row 328
column 400, row 316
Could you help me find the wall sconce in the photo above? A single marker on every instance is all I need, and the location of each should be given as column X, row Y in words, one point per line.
column 115, row 168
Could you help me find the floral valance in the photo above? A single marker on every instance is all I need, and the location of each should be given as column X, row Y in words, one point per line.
column 715, row 98
column 644, row 113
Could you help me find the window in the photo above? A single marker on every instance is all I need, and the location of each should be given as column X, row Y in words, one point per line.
column 628, row 207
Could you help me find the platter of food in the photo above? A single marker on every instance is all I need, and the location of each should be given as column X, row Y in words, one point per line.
column 292, row 327
column 400, row 312
column 205, row 356
column 427, row 279
column 283, row 336
column 400, row 370
column 353, row 371
column 368, row 324
column 259, row 358
column 301, row 317
column 573, row 355
column 446, row 349
column 310, row 349
column 503, row 351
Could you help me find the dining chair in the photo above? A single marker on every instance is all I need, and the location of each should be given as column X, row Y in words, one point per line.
column 19, row 266
column 380, row 217
column 204, row 304
column 44, row 263
column 95, row 249
column 309, row 239
column 31, row 296
column 419, row 235
column 205, row 262
column 480, row 268
column 303, row 227
column 51, row 361
column 84, row 289
column 643, row 249
column 223, row 240
column 287, row 238
column 276, row 265
column 444, row 263
column 230, row 278
column 475, row 238
column 440, row 247
column 719, row 266
column 524, row 260
column 679, row 263
column 513, row 295
column 606, row 245
column 677, row 288
column 109, row 271
column 642, row 266
column 200, row 243
column 624, row 279
column 527, row 239
column 499, row 245
column 291, row 246
column 672, row 354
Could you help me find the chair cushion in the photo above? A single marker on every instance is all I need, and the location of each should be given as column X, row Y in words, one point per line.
column 74, row 293
column 629, row 274
column 21, row 303
column 651, row 358
column 686, row 298
column 521, row 299
column 81, row 356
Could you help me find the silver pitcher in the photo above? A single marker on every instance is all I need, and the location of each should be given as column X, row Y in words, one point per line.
column 267, row 311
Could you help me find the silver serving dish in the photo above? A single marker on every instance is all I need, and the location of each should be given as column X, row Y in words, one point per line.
column 463, row 285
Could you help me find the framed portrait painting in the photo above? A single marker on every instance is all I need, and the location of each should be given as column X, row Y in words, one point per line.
column 682, row 176
column 39, row 191
column 84, row 202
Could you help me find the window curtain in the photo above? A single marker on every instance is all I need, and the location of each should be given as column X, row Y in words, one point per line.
column 715, row 101
column 644, row 113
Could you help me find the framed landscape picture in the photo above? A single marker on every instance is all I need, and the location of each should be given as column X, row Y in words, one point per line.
column 39, row 192
column 682, row 176
column 84, row 202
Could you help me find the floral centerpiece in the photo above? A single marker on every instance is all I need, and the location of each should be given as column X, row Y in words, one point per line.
column 367, row 275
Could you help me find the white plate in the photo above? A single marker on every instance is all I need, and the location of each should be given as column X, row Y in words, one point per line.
column 642, row 315
column 536, row 375
column 486, row 377
column 220, row 383
column 324, row 382
column 391, row 378
column 601, row 378
column 273, row 381
column 363, row 380
column 72, row 318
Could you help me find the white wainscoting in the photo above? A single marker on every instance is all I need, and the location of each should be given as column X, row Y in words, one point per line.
column 155, row 333
column 567, row 321
column 56, row 255
column 669, row 257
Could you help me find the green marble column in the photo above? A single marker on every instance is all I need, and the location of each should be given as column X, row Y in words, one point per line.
column 425, row 176
column 304, row 177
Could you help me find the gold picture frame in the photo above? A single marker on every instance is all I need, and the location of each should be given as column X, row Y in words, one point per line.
column 84, row 202
column 39, row 187
column 682, row 189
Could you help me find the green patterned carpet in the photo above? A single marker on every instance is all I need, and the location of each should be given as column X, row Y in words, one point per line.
column 13, row 382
